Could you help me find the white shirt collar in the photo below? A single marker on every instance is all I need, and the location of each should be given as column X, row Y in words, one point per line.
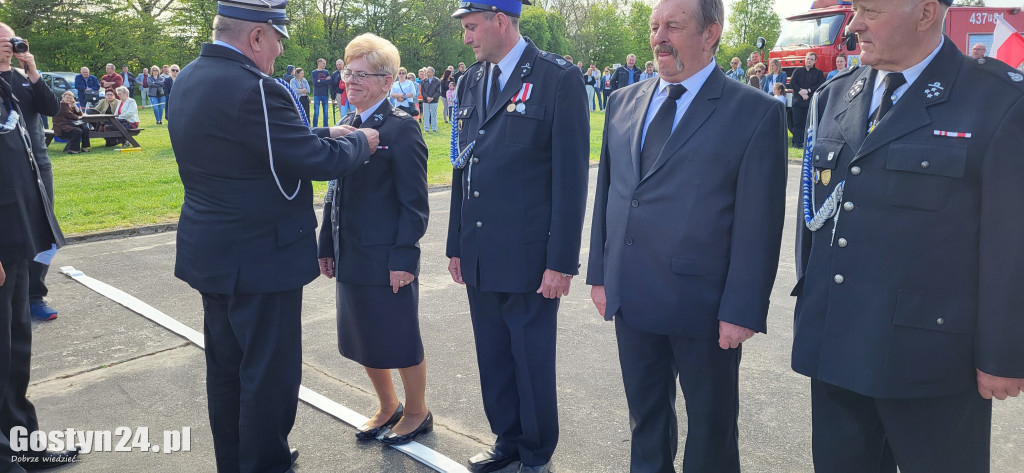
column 693, row 83
column 911, row 73
column 508, row 63
column 365, row 116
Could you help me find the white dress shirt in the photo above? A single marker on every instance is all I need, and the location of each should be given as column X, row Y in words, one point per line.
column 692, row 85
column 507, row 65
column 911, row 74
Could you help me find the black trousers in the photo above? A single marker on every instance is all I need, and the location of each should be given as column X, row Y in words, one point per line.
column 37, row 271
column 78, row 138
column 799, row 125
column 253, row 371
column 515, row 350
column 15, row 359
column 709, row 378
column 860, row 434
column 304, row 100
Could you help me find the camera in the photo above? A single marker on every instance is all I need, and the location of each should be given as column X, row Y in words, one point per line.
column 20, row 45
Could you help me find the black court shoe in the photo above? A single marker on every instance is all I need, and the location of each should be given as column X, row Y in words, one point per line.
column 391, row 438
column 369, row 433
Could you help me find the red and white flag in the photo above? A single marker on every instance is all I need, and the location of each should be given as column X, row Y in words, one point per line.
column 1007, row 43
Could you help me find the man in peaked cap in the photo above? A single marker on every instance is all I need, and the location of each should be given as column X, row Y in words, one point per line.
column 246, row 238
column 908, row 253
column 516, row 218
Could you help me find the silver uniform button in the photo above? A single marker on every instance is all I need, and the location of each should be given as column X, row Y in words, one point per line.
column 925, row 164
column 940, row 321
column 365, row 163
column 839, row 279
column 482, row 132
column 476, row 160
column 476, row 193
column 848, row 206
column 479, row 224
column 855, row 170
column 842, row 242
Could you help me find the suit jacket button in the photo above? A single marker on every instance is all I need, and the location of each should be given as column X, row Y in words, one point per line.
column 842, row 242
column 476, row 193
column 365, row 163
column 925, row 164
column 839, row 279
column 848, row 206
column 940, row 321
column 476, row 160
column 629, row 242
column 635, row 203
column 855, row 170
column 482, row 132
column 479, row 224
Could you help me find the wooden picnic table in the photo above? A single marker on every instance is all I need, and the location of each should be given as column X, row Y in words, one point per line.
column 98, row 121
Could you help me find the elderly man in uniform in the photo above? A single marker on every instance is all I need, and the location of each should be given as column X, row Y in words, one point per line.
column 28, row 227
column 688, row 218
column 246, row 238
column 908, row 311
column 518, row 199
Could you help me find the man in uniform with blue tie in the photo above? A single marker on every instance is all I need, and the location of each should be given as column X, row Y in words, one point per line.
column 518, row 200
column 684, row 248
column 908, row 317
column 246, row 238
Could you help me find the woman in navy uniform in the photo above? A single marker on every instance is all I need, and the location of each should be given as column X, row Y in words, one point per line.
column 373, row 221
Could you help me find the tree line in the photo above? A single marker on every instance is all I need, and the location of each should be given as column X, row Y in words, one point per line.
column 68, row 34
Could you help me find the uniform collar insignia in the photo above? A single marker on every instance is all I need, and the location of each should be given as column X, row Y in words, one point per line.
column 561, row 62
column 1015, row 76
column 479, row 73
column 378, row 117
column 934, row 90
column 526, row 69
column 855, row 89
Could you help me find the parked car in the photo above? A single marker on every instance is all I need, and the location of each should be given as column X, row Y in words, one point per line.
column 59, row 82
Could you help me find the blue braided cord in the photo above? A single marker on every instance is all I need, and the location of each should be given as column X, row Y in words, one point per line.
column 828, row 208
column 295, row 98
column 454, row 157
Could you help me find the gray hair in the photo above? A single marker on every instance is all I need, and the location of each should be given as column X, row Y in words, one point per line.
column 228, row 29
column 710, row 12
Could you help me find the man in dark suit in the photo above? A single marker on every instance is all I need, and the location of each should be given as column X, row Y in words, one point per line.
column 29, row 227
column 908, row 255
column 804, row 82
column 518, row 202
column 246, row 238
column 684, row 248
column 36, row 101
column 626, row 75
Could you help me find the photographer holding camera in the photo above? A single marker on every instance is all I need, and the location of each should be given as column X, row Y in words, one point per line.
column 26, row 215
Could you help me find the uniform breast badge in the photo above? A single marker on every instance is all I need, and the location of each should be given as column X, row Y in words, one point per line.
column 854, row 90
column 826, row 176
column 511, row 108
column 519, row 99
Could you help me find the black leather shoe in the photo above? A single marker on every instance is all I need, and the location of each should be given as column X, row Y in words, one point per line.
column 369, row 433
column 295, row 454
column 545, row 468
column 491, row 460
column 391, row 438
column 47, row 460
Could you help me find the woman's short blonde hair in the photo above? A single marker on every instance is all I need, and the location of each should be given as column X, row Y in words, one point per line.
column 402, row 72
column 121, row 90
column 378, row 52
column 66, row 93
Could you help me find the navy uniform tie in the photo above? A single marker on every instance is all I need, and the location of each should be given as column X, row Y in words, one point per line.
column 660, row 129
column 892, row 81
column 495, row 86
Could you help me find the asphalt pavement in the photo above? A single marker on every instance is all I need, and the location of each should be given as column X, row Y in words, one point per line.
column 100, row 366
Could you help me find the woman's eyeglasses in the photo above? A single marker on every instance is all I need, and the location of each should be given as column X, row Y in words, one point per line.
column 349, row 75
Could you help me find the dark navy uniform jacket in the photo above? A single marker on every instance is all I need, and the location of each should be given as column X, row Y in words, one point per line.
column 922, row 282
column 27, row 223
column 517, row 207
column 247, row 224
column 374, row 219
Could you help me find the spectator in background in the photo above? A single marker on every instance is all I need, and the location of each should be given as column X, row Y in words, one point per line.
column 168, row 83
column 590, row 80
column 338, row 90
column 127, row 80
column 420, row 76
column 154, row 84
column 978, row 51
column 140, row 81
column 446, row 79
column 300, row 86
column 321, row 91
column 88, row 87
column 567, row 58
column 165, row 71
column 107, row 106
column 606, row 86
column 450, row 95
column 431, row 91
column 626, row 75
column 752, row 61
column 757, row 79
column 774, row 76
column 779, row 91
column 805, row 81
column 127, row 109
column 840, row 65
column 289, row 74
column 649, row 71
column 68, row 124
column 459, row 73
column 736, row 73
column 403, row 92
column 111, row 80
column 579, row 65
column 597, row 89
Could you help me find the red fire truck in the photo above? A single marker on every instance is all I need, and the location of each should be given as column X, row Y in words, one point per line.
column 822, row 30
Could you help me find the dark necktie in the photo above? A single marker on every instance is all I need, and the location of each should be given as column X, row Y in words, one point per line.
column 660, row 129
column 495, row 86
column 892, row 81
column 358, row 121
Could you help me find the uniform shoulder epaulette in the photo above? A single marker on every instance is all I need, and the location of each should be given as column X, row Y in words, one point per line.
column 999, row 69
column 256, row 72
column 400, row 113
column 556, row 59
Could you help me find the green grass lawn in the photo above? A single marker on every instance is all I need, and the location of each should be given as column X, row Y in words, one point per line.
column 109, row 189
